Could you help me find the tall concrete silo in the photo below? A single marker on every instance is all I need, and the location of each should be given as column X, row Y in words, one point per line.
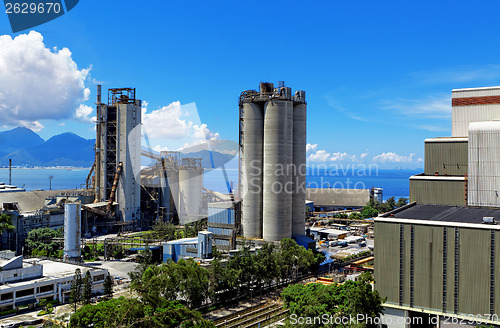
column 252, row 120
column 190, row 190
column 72, row 231
column 277, row 162
column 299, row 161
column 272, row 127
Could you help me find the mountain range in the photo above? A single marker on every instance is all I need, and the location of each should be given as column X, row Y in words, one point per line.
column 26, row 148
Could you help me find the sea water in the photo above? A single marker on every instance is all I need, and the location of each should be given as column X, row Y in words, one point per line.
column 394, row 182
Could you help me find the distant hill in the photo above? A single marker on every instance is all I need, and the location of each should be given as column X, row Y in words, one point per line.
column 18, row 138
column 25, row 147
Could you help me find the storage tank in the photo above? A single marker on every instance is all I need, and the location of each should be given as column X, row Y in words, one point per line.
column 190, row 190
column 169, row 182
column 299, row 163
column 277, row 186
column 252, row 115
column 72, row 231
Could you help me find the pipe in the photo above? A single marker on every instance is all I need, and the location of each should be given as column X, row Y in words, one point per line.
column 113, row 188
column 97, row 162
column 88, row 176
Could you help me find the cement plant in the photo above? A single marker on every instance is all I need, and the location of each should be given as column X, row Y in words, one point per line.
column 130, row 217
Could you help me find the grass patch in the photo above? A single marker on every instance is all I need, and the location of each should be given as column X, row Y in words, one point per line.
column 44, row 312
column 7, row 312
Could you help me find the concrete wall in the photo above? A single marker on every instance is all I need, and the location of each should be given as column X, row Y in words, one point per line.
column 446, row 156
column 437, row 190
column 323, row 197
column 428, row 263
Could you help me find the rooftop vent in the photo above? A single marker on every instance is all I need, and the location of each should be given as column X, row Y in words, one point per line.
column 489, row 220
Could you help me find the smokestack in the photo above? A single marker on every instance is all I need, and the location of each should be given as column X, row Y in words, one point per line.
column 98, row 147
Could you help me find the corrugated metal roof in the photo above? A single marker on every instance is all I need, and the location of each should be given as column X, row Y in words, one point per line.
column 449, row 213
column 30, row 200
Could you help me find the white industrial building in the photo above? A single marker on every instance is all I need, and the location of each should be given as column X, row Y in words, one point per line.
column 26, row 282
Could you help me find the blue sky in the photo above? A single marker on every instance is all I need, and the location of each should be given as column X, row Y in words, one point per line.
column 378, row 75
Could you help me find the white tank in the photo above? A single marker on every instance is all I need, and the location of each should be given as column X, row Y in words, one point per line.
column 190, row 191
column 251, row 168
column 277, row 186
column 72, row 231
column 299, row 162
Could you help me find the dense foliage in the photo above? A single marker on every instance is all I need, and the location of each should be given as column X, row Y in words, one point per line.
column 224, row 280
column 352, row 298
column 374, row 207
column 6, row 223
column 41, row 242
column 124, row 312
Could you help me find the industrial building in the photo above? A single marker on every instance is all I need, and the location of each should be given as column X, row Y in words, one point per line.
column 221, row 223
column 436, row 257
column 199, row 248
column 177, row 185
column 26, row 282
column 37, row 209
column 118, row 152
column 331, row 199
column 272, row 162
column 462, row 169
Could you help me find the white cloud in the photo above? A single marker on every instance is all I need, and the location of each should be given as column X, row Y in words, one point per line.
column 432, row 107
column 32, row 125
column 337, row 157
column 82, row 114
column 159, row 148
column 311, row 147
column 320, row 156
column 37, row 82
column 323, row 156
column 166, row 122
column 395, row 158
column 176, row 126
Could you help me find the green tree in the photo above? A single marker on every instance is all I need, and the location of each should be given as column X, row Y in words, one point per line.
column 184, row 280
column 164, row 231
column 76, row 288
column 355, row 216
column 369, row 212
column 123, row 312
column 391, row 202
column 349, row 299
column 42, row 242
column 87, row 288
column 108, row 287
column 402, row 202
column 6, row 223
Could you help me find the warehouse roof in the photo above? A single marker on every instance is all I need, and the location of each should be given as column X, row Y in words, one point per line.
column 446, row 213
column 30, row 200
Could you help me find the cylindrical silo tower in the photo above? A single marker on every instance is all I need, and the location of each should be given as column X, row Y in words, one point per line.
column 277, row 181
column 190, row 190
column 299, row 162
column 252, row 137
column 72, row 231
column 272, row 157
